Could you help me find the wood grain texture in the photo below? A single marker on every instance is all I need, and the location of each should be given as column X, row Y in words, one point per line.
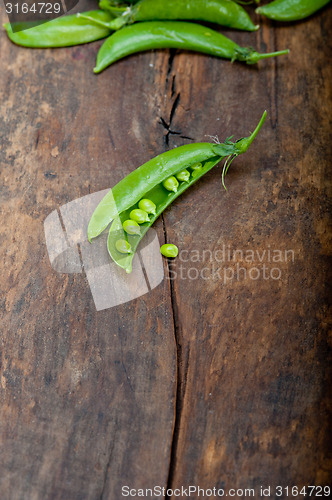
column 206, row 380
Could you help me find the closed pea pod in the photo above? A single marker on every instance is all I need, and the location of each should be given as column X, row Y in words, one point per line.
column 177, row 35
column 146, row 182
column 291, row 10
column 62, row 31
column 223, row 12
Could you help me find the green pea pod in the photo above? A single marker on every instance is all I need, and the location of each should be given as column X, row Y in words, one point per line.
column 62, row 31
column 146, row 182
column 223, row 12
column 173, row 34
column 291, row 10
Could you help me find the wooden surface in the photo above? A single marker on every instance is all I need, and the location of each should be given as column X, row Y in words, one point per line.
column 208, row 382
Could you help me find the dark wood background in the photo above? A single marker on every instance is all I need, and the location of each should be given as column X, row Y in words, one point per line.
column 201, row 382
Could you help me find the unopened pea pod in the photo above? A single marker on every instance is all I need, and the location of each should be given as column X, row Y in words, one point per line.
column 62, row 31
column 223, row 12
column 173, row 34
column 146, row 182
column 291, row 10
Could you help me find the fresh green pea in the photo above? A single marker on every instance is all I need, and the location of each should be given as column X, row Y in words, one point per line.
column 131, row 227
column 123, row 246
column 169, row 250
column 148, row 206
column 139, row 216
column 196, row 169
column 171, row 184
column 183, row 176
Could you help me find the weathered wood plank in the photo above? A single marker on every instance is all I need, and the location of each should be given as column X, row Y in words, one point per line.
column 87, row 397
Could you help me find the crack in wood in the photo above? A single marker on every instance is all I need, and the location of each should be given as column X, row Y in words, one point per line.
column 110, row 454
column 37, row 139
column 167, row 125
column 181, row 363
column 110, row 137
column 179, row 385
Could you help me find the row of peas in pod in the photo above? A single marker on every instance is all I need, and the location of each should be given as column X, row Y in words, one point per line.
column 142, row 25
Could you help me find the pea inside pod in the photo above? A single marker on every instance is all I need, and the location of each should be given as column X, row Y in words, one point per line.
column 146, row 182
column 123, row 246
column 131, row 226
column 183, row 176
column 171, row 184
column 148, row 206
column 138, row 215
column 196, row 169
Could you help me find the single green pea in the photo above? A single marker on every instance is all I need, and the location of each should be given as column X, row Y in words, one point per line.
column 196, row 169
column 123, row 246
column 171, row 184
column 148, row 206
column 169, row 250
column 131, row 227
column 183, row 176
column 139, row 216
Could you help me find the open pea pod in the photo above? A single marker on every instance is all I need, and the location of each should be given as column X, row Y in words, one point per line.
column 148, row 182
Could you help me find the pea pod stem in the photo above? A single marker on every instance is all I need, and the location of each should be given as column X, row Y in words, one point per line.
column 223, row 12
column 146, row 182
column 250, row 56
column 172, row 34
